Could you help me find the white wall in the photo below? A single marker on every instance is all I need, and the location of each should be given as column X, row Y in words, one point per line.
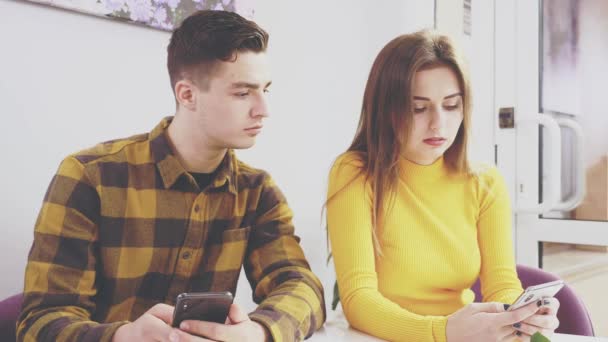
column 68, row 81
column 478, row 48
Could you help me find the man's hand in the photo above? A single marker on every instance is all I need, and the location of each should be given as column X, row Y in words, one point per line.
column 237, row 328
column 153, row 325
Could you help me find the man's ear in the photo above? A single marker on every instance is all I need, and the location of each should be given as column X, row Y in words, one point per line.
column 186, row 94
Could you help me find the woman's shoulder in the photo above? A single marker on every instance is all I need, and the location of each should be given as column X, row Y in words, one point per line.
column 348, row 162
column 488, row 179
column 485, row 172
column 345, row 169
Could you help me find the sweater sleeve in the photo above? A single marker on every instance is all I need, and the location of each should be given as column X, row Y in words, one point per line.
column 350, row 231
column 498, row 276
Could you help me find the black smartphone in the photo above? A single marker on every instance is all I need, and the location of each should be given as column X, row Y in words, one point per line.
column 202, row 306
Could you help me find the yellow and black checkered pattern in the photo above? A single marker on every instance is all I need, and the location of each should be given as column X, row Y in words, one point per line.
column 124, row 226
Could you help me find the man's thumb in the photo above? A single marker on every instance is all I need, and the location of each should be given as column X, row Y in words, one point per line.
column 236, row 314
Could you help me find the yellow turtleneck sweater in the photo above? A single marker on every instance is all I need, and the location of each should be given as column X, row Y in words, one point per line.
column 443, row 232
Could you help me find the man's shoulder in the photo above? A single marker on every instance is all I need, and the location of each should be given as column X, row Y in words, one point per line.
column 250, row 177
column 114, row 150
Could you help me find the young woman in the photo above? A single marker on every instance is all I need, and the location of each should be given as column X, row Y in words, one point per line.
column 412, row 224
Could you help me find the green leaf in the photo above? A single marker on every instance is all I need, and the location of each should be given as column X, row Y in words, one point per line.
column 538, row 337
column 336, row 299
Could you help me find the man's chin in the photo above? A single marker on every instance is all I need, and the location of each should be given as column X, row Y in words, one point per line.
column 242, row 145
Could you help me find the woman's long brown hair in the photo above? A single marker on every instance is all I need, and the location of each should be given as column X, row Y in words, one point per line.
column 386, row 114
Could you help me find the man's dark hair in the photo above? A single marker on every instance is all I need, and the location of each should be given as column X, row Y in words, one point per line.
column 206, row 37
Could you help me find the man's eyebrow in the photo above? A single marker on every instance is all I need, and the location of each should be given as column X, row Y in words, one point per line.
column 249, row 85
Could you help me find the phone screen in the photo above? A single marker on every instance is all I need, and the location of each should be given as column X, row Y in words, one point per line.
column 202, row 306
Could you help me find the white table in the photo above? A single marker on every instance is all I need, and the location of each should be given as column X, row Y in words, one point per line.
column 336, row 329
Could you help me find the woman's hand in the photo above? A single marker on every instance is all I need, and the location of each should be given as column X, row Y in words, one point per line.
column 543, row 321
column 486, row 322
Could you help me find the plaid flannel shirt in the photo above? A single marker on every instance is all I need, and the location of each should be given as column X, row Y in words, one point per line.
column 124, row 226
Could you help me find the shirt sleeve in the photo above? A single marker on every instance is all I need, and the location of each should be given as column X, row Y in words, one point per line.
column 60, row 272
column 498, row 276
column 290, row 297
column 350, row 231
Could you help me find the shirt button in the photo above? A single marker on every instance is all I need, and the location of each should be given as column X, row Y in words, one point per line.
column 197, row 208
column 186, row 255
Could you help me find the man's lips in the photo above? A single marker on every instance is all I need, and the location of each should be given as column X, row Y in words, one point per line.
column 254, row 129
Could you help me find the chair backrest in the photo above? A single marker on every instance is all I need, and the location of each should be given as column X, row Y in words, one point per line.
column 9, row 312
column 573, row 316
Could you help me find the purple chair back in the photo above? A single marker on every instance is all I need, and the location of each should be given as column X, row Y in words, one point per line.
column 573, row 316
column 9, row 312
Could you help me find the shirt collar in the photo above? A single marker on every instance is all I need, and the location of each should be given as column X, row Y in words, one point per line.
column 171, row 169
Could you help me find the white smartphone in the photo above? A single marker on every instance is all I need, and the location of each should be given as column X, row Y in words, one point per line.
column 537, row 292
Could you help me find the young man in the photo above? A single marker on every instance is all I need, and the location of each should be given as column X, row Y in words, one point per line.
column 128, row 225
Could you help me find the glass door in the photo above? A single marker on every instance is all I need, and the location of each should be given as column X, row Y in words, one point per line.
column 551, row 68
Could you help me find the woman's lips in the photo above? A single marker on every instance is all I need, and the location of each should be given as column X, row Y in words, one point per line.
column 435, row 142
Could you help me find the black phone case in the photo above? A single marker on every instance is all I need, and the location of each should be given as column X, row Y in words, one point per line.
column 202, row 306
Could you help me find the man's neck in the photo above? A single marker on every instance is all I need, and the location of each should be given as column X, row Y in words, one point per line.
column 193, row 152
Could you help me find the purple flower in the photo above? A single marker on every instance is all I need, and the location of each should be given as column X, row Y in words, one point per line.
column 113, row 5
column 226, row 2
column 160, row 2
column 218, row 7
column 160, row 15
column 141, row 10
column 198, row 1
column 173, row 3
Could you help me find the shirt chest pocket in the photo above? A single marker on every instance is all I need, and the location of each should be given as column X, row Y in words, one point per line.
column 226, row 253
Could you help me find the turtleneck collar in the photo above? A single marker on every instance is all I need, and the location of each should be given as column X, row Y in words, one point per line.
column 409, row 169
